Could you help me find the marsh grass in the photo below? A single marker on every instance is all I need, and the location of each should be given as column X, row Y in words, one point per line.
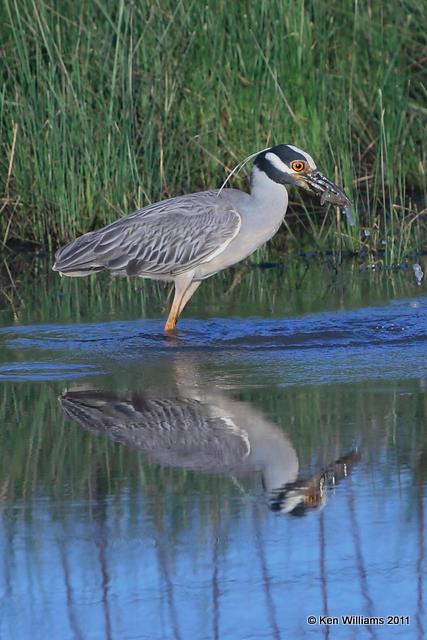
column 106, row 106
column 31, row 293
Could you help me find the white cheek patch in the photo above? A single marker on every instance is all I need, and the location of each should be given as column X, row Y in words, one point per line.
column 277, row 163
column 306, row 156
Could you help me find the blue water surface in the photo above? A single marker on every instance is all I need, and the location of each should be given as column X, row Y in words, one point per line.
column 225, row 482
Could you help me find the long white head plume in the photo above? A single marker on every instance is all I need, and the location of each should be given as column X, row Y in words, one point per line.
column 240, row 166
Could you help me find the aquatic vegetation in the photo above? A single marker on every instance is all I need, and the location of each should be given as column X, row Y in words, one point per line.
column 256, row 288
column 105, row 107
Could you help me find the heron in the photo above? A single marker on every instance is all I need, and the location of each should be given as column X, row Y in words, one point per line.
column 191, row 237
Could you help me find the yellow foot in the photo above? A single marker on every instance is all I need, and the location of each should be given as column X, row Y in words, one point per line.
column 170, row 326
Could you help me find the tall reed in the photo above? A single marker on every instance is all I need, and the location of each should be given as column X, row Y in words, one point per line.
column 106, row 106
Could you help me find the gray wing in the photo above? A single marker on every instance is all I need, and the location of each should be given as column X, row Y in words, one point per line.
column 178, row 431
column 168, row 237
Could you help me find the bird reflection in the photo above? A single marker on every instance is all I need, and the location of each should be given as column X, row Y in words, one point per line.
column 207, row 431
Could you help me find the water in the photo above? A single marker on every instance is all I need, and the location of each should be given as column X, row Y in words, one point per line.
column 266, row 464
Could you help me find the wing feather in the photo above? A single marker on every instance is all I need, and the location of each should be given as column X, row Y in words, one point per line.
column 167, row 238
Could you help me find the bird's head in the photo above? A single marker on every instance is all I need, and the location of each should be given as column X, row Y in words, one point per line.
column 286, row 164
column 300, row 497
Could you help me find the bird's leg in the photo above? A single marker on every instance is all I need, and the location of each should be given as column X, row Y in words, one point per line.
column 188, row 294
column 174, row 311
column 181, row 297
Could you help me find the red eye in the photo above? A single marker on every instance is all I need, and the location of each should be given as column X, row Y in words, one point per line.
column 298, row 165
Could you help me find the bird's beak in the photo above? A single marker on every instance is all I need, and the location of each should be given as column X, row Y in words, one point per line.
column 327, row 190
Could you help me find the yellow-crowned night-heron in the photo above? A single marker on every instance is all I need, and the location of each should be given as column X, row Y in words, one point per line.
column 191, row 237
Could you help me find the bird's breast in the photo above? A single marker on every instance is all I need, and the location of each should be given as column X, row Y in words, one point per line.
column 259, row 225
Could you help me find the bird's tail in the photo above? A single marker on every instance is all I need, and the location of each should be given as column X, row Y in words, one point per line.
column 78, row 258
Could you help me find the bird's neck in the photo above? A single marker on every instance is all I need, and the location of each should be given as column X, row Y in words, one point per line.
column 269, row 193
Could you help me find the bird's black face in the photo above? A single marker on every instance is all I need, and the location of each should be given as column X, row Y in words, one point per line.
column 287, row 164
column 297, row 499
